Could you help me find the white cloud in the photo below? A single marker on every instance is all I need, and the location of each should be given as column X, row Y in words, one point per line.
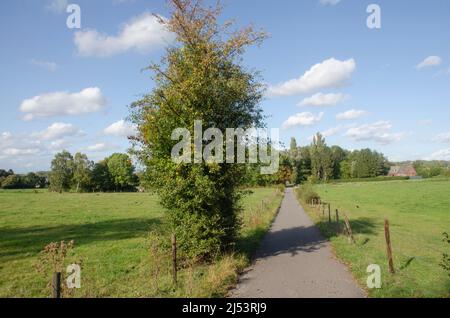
column 19, row 152
column 443, row 154
column 57, row 6
column 429, row 61
column 302, row 119
column 12, row 146
column 58, row 145
column 351, row 114
column 49, row 66
column 121, row 128
column 321, row 99
column 330, row 73
column 425, row 122
column 6, row 135
column 99, row 147
column 444, row 137
column 329, row 2
column 379, row 132
column 143, row 34
column 331, row 131
column 58, row 131
column 63, row 103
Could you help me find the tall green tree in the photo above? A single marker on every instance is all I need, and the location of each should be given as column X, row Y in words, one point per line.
column 338, row 155
column 101, row 178
column 121, row 170
column 82, row 172
column 199, row 78
column 321, row 160
column 61, row 172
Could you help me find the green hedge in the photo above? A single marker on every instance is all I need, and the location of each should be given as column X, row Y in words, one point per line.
column 373, row 179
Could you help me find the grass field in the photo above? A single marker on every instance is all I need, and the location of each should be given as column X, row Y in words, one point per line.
column 418, row 212
column 110, row 232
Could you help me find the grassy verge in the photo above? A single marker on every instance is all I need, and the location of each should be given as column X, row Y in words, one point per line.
column 418, row 212
column 111, row 238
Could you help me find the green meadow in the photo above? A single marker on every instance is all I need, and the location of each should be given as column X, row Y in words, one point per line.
column 111, row 233
column 419, row 214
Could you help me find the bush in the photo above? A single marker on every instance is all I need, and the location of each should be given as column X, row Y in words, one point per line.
column 374, row 179
column 200, row 78
column 312, row 179
column 307, row 194
column 12, row 182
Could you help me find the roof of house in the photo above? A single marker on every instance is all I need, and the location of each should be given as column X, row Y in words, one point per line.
column 406, row 170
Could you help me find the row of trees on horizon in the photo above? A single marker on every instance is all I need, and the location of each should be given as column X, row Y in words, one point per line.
column 315, row 163
column 78, row 173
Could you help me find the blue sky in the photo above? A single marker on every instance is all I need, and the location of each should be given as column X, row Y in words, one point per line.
column 326, row 71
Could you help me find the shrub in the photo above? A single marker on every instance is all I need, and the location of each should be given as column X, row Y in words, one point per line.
column 53, row 260
column 312, row 179
column 200, row 78
column 307, row 194
column 374, row 179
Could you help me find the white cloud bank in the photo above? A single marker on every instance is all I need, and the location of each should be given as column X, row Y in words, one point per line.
column 351, row 114
column 429, row 61
column 444, row 137
column 321, row 99
column 57, row 6
column 99, row 147
column 443, row 154
column 120, row 128
column 332, row 131
column 379, row 132
column 88, row 100
column 143, row 34
column 58, row 131
column 49, row 66
column 331, row 73
column 302, row 119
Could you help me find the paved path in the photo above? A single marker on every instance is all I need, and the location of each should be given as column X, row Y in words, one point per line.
column 295, row 261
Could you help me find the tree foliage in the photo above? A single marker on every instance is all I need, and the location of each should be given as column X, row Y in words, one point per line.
column 320, row 163
column 61, row 172
column 82, row 172
column 78, row 173
column 200, row 78
column 121, row 171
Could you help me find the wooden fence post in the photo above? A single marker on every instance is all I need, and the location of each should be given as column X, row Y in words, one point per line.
column 337, row 221
column 329, row 213
column 174, row 258
column 349, row 229
column 56, row 285
column 388, row 246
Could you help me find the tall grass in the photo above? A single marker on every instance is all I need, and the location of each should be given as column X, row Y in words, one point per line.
column 124, row 243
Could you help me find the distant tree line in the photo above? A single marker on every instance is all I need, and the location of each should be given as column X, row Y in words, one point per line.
column 79, row 174
column 10, row 180
column 319, row 162
column 430, row 169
